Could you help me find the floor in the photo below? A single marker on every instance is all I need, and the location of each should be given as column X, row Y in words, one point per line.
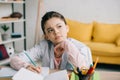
column 108, row 72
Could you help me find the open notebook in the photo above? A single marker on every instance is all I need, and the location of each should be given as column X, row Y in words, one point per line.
column 9, row 72
column 24, row 74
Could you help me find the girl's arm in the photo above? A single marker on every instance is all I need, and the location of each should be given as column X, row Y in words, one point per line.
column 75, row 55
column 16, row 63
column 21, row 60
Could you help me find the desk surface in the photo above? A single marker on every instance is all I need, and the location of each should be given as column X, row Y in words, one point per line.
column 5, row 79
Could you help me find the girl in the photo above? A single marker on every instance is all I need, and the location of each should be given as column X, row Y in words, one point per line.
column 56, row 51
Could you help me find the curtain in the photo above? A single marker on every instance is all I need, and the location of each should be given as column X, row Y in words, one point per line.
column 40, row 10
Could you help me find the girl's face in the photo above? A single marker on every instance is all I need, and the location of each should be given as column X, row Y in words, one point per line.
column 56, row 30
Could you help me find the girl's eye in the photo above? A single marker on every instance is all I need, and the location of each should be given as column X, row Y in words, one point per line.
column 50, row 30
column 59, row 26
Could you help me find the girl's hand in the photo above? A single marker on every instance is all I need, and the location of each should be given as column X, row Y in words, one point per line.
column 58, row 51
column 33, row 68
column 74, row 55
column 60, row 48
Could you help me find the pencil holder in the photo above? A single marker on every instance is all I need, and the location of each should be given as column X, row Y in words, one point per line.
column 85, row 77
column 74, row 76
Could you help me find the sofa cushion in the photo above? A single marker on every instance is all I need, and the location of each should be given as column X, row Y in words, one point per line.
column 80, row 31
column 105, row 32
column 104, row 49
column 118, row 41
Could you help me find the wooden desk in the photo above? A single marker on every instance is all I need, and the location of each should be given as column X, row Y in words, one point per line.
column 9, row 78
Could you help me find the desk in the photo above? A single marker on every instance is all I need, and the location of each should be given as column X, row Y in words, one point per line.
column 5, row 78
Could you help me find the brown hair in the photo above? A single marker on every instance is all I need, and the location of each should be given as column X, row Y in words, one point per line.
column 48, row 16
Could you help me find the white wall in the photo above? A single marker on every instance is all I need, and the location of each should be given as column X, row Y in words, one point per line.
column 87, row 10
column 107, row 11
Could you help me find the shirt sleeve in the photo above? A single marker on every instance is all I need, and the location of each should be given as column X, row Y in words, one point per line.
column 79, row 54
column 16, row 63
column 21, row 60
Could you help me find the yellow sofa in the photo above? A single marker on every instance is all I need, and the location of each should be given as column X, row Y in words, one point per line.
column 102, row 38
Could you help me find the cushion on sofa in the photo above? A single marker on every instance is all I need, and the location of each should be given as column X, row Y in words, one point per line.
column 80, row 31
column 104, row 49
column 105, row 32
column 118, row 41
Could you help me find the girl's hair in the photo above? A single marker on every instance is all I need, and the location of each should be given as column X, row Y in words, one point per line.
column 48, row 16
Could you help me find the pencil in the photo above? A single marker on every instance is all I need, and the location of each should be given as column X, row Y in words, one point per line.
column 94, row 66
column 91, row 70
column 30, row 58
column 74, row 69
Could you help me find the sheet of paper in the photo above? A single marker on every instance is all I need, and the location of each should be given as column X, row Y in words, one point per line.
column 7, row 72
column 59, row 75
column 24, row 74
column 44, row 71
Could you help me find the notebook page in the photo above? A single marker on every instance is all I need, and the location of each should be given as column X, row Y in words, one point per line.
column 59, row 75
column 44, row 71
column 24, row 74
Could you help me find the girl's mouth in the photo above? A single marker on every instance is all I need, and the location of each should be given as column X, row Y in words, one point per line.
column 57, row 37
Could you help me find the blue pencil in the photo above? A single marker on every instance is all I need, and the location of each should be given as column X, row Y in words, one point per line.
column 30, row 58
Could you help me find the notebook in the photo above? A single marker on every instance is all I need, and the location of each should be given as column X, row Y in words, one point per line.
column 24, row 74
column 9, row 72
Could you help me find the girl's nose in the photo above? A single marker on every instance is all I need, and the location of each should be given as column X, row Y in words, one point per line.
column 56, row 31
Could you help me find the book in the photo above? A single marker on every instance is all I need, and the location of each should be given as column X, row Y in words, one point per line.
column 16, row 35
column 24, row 74
column 7, row 72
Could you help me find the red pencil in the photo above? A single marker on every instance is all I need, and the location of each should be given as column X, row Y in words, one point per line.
column 91, row 70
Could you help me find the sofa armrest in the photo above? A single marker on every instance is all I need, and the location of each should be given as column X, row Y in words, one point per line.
column 118, row 41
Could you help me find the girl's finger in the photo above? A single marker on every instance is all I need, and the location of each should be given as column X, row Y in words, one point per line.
column 34, row 69
column 37, row 69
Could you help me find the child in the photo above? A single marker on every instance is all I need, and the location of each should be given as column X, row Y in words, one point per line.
column 56, row 51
